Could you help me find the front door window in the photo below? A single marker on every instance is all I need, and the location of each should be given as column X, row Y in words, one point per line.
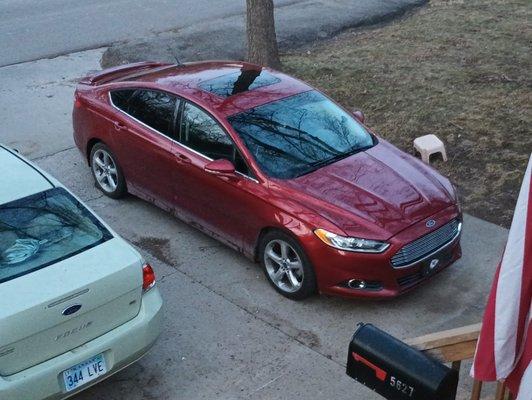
column 201, row 133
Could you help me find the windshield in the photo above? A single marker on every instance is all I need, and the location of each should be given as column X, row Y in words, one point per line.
column 298, row 134
column 42, row 229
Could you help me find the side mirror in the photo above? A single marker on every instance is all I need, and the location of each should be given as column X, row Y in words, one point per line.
column 220, row 167
column 359, row 115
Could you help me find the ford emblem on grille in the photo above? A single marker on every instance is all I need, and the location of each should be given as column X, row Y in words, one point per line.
column 72, row 309
column 430, row 223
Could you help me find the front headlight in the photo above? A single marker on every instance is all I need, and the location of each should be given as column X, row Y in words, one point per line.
column 351, row 243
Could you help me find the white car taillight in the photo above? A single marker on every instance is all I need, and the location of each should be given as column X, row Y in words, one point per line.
column 148, row 278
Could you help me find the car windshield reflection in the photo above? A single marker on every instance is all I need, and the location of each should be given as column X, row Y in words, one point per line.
column 299, row 134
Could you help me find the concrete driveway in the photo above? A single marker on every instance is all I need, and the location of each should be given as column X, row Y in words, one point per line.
column 227, row 334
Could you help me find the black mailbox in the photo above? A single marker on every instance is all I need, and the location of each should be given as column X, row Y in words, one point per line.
column 395, row 370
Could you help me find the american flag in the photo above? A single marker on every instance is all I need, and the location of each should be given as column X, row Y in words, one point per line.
column 504, row 348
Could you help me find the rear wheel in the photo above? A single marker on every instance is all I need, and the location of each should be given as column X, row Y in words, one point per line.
column 106, row 171
column 286, row 266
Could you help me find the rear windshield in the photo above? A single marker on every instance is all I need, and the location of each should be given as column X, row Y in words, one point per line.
column 43, row 229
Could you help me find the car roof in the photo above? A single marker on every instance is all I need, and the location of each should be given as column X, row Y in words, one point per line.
column 204, row 82
column 20, row 178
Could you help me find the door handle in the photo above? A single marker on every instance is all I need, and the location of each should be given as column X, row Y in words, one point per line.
column 119, row 126
column 182, row 158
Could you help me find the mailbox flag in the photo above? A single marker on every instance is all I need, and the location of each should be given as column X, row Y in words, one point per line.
column 504, row 348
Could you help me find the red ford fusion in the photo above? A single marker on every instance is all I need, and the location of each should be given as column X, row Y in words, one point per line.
column 273, row 168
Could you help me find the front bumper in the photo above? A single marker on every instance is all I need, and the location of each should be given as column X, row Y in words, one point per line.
column 335, row 268
column 121, row 347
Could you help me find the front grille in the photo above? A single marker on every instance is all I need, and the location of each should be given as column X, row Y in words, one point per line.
column 444, row 257
column 425, row 245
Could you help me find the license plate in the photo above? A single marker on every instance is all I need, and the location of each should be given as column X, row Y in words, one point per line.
column 434, row 263
column 84, row 372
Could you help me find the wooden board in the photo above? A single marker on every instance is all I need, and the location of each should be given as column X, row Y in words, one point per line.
column 450, row 345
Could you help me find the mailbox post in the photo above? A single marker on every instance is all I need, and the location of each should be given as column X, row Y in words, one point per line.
column 395, row 370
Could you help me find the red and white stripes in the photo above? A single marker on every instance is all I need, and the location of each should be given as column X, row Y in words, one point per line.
column 504, row 347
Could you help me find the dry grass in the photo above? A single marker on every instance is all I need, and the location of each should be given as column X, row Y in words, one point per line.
column 458, row 69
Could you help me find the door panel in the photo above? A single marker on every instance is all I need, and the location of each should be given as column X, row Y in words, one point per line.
column 142, row 134
column 147, row 158
column 219, row 204
column 226, row 207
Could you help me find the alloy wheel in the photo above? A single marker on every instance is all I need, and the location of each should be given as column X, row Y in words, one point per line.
column 105, row 170
column 284, row 266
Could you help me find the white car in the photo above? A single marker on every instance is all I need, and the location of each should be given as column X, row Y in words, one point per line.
column 77, row 302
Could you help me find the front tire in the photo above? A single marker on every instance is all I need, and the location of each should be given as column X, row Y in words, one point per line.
column 106, row 171
column 286, row 266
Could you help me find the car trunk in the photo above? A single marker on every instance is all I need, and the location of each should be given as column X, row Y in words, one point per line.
column 105, row 280
column 122, row 72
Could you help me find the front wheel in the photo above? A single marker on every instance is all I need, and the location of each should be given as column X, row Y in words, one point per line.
column 106, row 171
column 286, row 266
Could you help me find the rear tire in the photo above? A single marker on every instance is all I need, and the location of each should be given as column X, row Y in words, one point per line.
column 107, row 173
column 286, row 266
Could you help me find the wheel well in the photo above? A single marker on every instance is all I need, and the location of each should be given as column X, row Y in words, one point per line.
column 90, row 145
column 263, row 232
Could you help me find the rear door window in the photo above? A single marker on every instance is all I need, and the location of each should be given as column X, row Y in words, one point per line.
column 152, row 107
column 43, row 229
column 121, row 98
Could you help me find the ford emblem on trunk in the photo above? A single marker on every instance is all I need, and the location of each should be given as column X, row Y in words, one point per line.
column 430, row 223
column 72, row 309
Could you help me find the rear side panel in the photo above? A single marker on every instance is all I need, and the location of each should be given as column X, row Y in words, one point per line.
column 88, row 117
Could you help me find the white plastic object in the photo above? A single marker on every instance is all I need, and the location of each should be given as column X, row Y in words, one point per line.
column 428, row 145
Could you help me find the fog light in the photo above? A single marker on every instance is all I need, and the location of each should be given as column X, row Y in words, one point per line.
column 357, row 284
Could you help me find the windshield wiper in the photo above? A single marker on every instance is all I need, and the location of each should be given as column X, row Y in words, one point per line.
column 318, row 164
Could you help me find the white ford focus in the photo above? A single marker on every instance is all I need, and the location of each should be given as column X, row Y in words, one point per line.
column 77, row 303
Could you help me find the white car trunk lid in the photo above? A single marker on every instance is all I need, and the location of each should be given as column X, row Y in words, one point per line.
column 105, row 280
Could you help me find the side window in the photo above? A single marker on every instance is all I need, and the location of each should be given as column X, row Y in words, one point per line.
column 202, row 133
column 241, row 166
column 155, row 109
column 121, row 98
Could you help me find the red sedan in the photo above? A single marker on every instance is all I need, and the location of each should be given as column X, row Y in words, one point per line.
column 273, row 168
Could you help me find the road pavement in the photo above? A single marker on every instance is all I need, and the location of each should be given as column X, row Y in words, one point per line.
column 32, row 30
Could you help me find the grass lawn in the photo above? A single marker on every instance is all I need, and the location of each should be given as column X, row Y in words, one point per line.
column 460, row 69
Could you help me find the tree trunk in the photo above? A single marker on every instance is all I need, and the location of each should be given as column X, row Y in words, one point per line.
column 260, row 27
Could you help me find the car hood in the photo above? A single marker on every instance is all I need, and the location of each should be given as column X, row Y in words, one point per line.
column 376, row 193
